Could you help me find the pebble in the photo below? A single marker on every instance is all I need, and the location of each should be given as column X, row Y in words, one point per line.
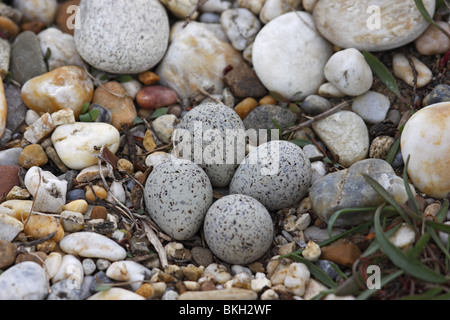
column 10, row 179
column 76, row 143
column 402, row 70
column 154, row 97
column 277, row 174
column 219, row 167
column 63, row 116
column 17, row 110
column 345, row 134
column 440, row 93
column 313, row 288
column 17, row 193
column 8, row 253
column 297, row 277
column 177, row 196
column 208, row 53
column 254, row 6
column 328, row 90
column 48, row 191
column 394, row 116
column 5, row 54
column 18, row 209
column 116, row 294
column 92, row 245
column 122, row 109
column 97, row 192
column 425, row 140
column 65, row 290
column 238, row 229
column 444, row 236
column 315, row 105
column 371, row 106
column 326, row 267
column 241, row 26
column 70, row 269
column 93, row 173
column 10, row 157
column 62, row 48
column 245, row 107
column 72, row 221
column 9, row 227
column 278, row 66
column 11, row 13
column 433, row 41
column 202, row 256
column 128, row 271
column 31, row 117
column 157, row 158
column 33, row 155
column 24, row 281
column 65, row 18
column 275, row 8
column 164, row 127
column 404, row 237
column 313, row 153
column 27, row 60
column 349, row 72
column 99, row 212
column 44, row 10
column 64, row 87
column 40, row 129
column 132, row 87
column 348, row 189
column 75, row 194
column 224, row 294
column 342, row 252
column 89, row 266
column 33, row 26
column 38, row 227
column 244, row 83
column 353, row 25
column 99, row 41
column 380, row 147
column 312, row 251
column 261, row 117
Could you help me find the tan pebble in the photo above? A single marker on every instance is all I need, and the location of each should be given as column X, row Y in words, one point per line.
column 38, row 227
column 286, row 248
column 99, row 191
column 312, row 251
column 8, row 28
column 33, row 26
column 246, row 106
column 267, row 100
column 33, row 155
column 160, row 288
column 431, row 210
column 380, row 147
column 192, row 272
column 146, row 290
column 149, row 141
column 99, row 212
column 192, row 285
column 17, row 193
column 40, row 129
column 37, row 257
column 125, row 165
column 80, row 206
column 47, row 246
column 433, row 41
column 148, row 78
column 402, row 70
column 18, row 209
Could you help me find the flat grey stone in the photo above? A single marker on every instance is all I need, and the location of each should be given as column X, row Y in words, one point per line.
column 10, row 157
column 17, row 110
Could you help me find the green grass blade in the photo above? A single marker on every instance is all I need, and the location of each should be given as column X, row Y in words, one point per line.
column 440, row 216
column 383, row 73
column 420, row 245
column 429, row 295
column 318, row 273
column 393, row 151
column 411, row 266
column 438, row 242
column 338, row 213
column 300, row 142
column 408, row 188
column 439, row 226
column 384, row 281
column 375, row 246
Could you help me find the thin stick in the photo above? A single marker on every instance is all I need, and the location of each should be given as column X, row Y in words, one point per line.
column 36, row 242
column 319, row 117
column 152, row 237
column 189, row 16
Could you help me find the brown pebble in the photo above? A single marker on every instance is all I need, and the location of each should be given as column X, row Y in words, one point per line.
column 155, row 97
column 267, row 100
column 8, row 28
column 176, row 110
column 8, row 253
column 99, row 212
column 33, row 156
column 246, row 106
column 38, row 257
column 208, row 286
column 125, row 165
column 181, row 287
column 148, row 78
column 342, row 252
column 10, row 179
column 33, row 26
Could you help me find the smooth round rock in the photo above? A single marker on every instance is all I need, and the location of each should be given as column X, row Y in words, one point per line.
column 349, row 72
column 33, row 155
column 177, row 196
column 434, row 41
column 238, row 229
column 287, row 47
column 277, row 174
column 371, row 106
column 368, row 25
column 314, row 105
column 43, row 10
column 78, row 143
column 92, row 245
column 24, row 281
column 207, row 127
column 426, row 140
column 346, row 135
column 101, row 39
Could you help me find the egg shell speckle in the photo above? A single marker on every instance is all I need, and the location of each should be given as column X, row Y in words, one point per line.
column 218, row 117
column 238, row 229
column 277, row 174
column 177, row 196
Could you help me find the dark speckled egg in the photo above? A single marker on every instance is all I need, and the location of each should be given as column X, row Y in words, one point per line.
column 238, row 229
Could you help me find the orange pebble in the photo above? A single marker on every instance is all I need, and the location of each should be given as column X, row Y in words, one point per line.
column 8, row 28
column 99, row 191
column 34, row 26
column 267, row 100
column 246, row 106
column 146, row 291
column 148, row 78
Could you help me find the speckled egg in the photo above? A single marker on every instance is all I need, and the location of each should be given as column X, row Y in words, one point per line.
column 238, row 229
column 277, row 174
column 212, row 156
column 177, row 195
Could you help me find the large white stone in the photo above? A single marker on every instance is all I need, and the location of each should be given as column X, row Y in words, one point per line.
column 122, row 36
column 70, row 269
column 289, row 55
column 128, row 271
column 426, row 140
column 346, row 135
column 78, row 143
column 49, row 193
column 92, row 245
column 349, row 72
column 371, row 25
column 206, row 49
column 24, row 281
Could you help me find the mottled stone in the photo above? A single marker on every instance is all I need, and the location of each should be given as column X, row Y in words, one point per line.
column 25, row 281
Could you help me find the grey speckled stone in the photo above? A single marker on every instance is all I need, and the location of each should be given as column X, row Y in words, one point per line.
column 122, row 36
column 177, row 196
column 26, row 58
column 277, row 174
column 17, row 110
column 238, row 229
column 220, row 118
column 261, row 117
